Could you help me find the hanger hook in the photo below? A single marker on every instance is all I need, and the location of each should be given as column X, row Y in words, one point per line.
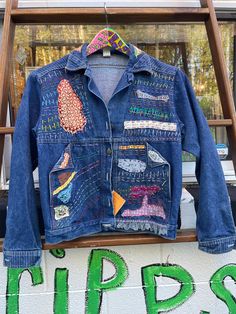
column 106, row 15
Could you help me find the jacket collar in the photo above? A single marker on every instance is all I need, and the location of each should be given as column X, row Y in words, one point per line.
column 138, row 59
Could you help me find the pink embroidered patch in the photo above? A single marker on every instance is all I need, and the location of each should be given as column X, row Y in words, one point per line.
column 145, row 210
column 140, row 191
column 70, row 108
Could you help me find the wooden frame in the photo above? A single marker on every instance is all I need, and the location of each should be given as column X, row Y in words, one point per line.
column 206, row 14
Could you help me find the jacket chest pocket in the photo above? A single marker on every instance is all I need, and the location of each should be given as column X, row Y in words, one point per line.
column 143, row 180
column 74, row 183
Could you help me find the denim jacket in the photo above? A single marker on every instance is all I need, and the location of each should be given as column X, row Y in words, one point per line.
column 107, row 135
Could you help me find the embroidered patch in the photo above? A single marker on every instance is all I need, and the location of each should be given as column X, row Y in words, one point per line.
column 65, row 195
column 141, row 191
column 141, row 94
column 132, row 165
column 150, row 112
column 62, row 177
column 145, row 210
column 132, row 147
column 61, row 211
column 156, row 157
column 60, row 188
column 118, row 202
column 65, row 161
column 150, row 124
column 70, row 108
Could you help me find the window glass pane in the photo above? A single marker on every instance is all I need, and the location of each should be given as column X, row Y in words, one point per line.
column 182, row 45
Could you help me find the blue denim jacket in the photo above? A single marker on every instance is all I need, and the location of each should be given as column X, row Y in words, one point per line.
column 107, row 136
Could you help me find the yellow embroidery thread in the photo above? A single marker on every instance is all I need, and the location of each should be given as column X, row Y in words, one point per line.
column 65, row 184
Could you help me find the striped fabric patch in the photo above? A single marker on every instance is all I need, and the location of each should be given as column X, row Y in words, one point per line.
column 150, row 124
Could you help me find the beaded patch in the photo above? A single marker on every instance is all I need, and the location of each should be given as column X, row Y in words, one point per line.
column 141, row 94
column 150, row 124
column 61, row 211
column 124, row 147
column 70, row 108
column 65, row 195
column 63, row 186
column 145, row 210
column 132, row 165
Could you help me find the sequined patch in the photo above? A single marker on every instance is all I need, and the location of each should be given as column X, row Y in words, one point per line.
column 118, row 202
column 61, row 211
column 145, row 210
column 63, row 186
column 70, row 108
column 132, row 165
column 142, row 124
column 124, row 147
column 141, row 94
column 65, row 195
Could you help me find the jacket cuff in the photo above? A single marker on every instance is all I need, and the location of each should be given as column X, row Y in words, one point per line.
column 218, row 246
column 21, row 259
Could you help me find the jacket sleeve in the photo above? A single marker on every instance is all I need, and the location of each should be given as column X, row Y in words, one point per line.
column 22, row 243
column 214, row 226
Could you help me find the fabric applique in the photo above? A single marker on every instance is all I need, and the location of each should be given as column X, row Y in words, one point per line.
column 70, row 108
column 145, row 210
column 118, row 201
column 141, row 225
column 65, row 195
column 124, row 147
column 63, row 186
column 65, row 161
column 132, row 165
column 156, row 157
column 63, row 177
column 141, row 94
column 150, row 124
column 61, row 211
column 141, row 191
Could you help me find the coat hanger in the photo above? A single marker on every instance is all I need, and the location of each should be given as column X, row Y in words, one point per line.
column 107, row 38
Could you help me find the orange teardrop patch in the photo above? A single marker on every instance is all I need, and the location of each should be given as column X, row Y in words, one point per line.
column 70, row 108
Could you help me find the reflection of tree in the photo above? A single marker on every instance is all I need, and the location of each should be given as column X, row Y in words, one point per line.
column 185, row 46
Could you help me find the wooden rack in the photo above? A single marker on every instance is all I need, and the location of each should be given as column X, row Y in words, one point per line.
column 206, row 14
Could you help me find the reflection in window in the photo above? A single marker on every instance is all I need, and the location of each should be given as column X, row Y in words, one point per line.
column 182, row 45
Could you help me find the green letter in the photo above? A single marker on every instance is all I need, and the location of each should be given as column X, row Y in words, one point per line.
column 218, row 288
column 13, row 284
column 95, row 285
column 175, row 272
column 61, row 291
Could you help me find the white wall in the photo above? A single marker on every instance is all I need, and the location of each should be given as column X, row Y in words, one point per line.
column 129, row 297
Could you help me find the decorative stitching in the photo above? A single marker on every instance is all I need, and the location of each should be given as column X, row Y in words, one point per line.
column 150, row 112
column 141, row 94
column 70, row 108
column 132, row 165
column 124, row 147
column 60, row 188
column 150, row 124
column 140, row 191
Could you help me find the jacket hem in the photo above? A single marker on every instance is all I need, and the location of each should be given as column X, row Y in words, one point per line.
column 21, row 259
column 218, row 246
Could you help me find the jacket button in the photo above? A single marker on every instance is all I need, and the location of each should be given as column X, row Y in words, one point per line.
column 109, row 151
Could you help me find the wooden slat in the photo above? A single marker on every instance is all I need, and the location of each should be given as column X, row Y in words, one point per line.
column 115, row 15
column 223, row 82
column 220, row 122
column 186, row 235
column 5, row 56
